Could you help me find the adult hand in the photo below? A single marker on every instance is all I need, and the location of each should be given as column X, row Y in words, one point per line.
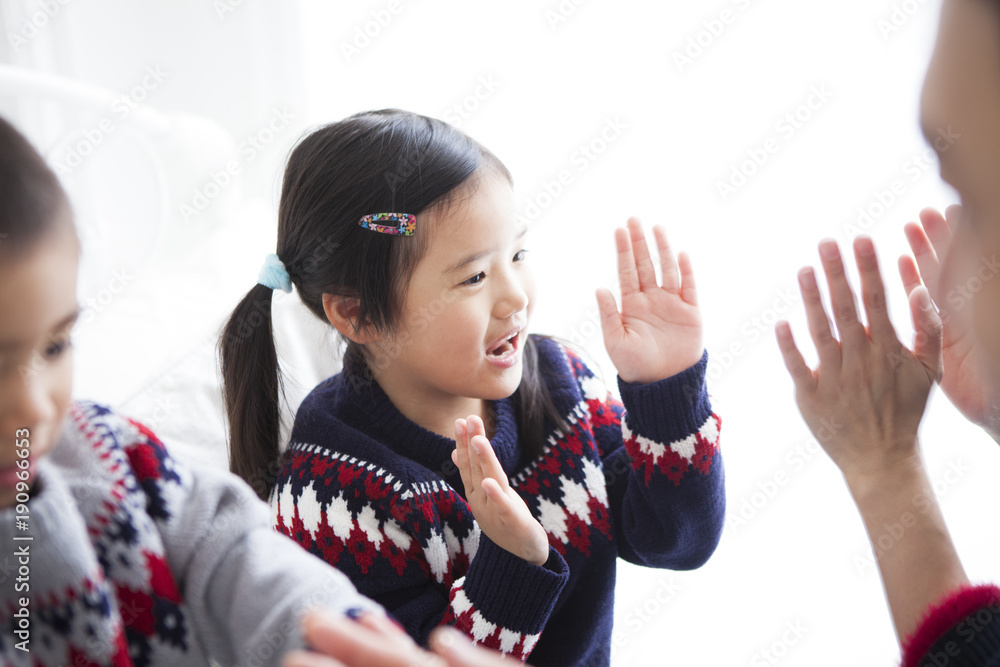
column 865, row 400
column 964, row 381
column 658, row 332
column 499, row 511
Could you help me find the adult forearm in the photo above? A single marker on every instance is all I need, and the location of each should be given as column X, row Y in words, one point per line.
column 916, row 556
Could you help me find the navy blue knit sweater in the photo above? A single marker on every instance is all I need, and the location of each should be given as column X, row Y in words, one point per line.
column 376, row 495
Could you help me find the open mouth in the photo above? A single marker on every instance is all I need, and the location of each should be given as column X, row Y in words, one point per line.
column 504, row 351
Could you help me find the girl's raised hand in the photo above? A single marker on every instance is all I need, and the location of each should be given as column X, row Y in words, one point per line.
column 657, row 334
column 499, row 511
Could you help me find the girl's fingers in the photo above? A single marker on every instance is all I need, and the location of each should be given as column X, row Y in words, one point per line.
column 309, row 659
column 488, row 461
column 873, row 292
column 627, row 274
column 640, row 250
column 461, row 455
column 354, row 644
column 611, row 320
column 842, row 305
column 476, row 430
column 672, row 282
column 819, row 324
column 802, row 375
column 689, row 291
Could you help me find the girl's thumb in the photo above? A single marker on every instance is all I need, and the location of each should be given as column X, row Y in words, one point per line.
column 928, row 330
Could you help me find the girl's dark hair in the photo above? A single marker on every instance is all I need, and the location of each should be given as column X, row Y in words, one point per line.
column 388, row 160
column 32, row 201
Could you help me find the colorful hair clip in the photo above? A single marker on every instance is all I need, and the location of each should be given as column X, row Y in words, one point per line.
column 401, row 224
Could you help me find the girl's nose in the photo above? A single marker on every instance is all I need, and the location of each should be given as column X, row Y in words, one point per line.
column 513, row 297
column 33, row 405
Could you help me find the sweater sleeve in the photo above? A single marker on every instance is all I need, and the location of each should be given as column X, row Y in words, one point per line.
column 960, row 630
column 245, row 585
column 415, row 548
column 661, row 458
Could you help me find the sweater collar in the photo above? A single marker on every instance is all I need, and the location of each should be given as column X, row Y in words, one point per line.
column 378, row 417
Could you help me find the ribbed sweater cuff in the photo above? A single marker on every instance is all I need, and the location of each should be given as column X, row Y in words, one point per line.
column 510, row 591
column 961, row 630
column 673, row 408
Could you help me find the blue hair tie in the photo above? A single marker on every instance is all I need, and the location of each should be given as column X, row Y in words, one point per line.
column 274, row 274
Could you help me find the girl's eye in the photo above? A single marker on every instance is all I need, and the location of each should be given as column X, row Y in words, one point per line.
column 56, row 348
column 519, row 257
column 476, row 279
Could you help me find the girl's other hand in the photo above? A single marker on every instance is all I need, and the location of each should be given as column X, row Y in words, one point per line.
column 500, row 512
column 658, row 333
column 865, row 400
column 964, row 381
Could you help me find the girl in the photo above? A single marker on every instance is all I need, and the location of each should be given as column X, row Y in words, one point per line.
column 459, row 470
column 115, row 553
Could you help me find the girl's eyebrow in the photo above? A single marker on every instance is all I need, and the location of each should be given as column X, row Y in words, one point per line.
column 64, row 323
column 483, row 253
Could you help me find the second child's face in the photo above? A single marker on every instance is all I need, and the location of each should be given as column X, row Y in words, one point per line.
column 961, row 117
column 39, row 307
column 463, row 323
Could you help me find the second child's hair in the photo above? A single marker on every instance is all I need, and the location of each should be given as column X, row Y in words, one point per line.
column 388, row 160
column 32, row 201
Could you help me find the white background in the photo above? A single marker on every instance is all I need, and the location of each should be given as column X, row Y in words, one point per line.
column 536, row 83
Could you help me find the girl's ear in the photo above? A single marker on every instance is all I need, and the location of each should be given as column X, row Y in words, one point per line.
column 342, row 312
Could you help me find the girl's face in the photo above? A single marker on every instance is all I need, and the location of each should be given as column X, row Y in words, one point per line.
column 38, row 302
column 463, row 322
column 960, row 114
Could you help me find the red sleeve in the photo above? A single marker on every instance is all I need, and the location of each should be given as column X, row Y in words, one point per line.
column 945, row 614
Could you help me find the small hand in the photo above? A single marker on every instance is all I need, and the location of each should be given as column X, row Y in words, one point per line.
column 375, row 641
column 500, row 512
column 865, row 401
column 964, row 381
column 658, row 332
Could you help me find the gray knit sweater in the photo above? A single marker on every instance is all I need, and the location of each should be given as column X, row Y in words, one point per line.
column 124, row 556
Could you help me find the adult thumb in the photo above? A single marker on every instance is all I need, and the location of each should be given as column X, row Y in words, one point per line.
column 928, row 331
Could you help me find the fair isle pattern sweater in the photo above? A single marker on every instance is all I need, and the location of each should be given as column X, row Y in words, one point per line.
column 136, row 559
column 377, row 496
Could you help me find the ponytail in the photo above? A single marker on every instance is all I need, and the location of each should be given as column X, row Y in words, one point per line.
column 251, row 387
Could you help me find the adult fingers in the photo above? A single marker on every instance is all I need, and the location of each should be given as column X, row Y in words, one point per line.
column 873, row 292
column 802, row 375
column 842, row 305
column 827, row 346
